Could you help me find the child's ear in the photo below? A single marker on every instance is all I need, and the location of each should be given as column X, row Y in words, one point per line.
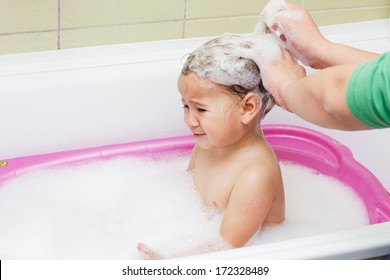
column 250, row 107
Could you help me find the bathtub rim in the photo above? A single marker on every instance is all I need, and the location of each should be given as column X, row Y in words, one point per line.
column 356, row 243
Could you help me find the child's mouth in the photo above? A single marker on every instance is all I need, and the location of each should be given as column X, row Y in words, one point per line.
column 197, row 135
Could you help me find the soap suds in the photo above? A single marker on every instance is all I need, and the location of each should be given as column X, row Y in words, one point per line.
column 101, row 210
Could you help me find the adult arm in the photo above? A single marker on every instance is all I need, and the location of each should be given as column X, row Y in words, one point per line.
column 319, row 98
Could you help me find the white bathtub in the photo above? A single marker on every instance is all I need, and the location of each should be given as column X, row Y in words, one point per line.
column 70, row 99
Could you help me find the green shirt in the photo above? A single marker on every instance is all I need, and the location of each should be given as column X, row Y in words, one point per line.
column 368, row 92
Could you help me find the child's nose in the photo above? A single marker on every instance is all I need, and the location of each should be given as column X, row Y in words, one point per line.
column 191, row 120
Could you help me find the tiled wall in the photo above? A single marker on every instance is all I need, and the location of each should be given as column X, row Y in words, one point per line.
column 36, row 25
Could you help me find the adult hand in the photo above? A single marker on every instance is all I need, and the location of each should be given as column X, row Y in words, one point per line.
column 277, row 75
column 295, row 27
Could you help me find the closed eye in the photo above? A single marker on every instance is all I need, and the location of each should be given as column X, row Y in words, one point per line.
column 200, row 110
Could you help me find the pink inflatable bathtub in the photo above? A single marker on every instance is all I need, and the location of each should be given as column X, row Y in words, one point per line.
column 291, row 143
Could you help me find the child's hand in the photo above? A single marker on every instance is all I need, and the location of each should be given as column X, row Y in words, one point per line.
column 147, row 253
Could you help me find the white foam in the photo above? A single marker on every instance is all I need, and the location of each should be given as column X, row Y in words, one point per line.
column 268, row 16
column 102, row 210
column 270, row 10
column 270, row 21
column 232, row 59
column 220, row 59
column 315, row 204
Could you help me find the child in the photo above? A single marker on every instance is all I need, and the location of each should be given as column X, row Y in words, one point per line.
column 234, row 169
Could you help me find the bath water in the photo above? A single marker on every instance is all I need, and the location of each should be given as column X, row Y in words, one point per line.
column 101, row 210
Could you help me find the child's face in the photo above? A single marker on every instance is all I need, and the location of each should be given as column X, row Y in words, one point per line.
column 212, row 115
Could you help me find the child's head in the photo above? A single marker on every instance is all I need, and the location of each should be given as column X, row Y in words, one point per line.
column 230, row 62
column 222, row 90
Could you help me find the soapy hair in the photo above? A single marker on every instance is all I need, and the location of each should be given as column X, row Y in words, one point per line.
column 233, row 61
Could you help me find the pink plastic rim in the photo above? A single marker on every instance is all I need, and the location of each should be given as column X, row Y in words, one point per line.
column 295, row 144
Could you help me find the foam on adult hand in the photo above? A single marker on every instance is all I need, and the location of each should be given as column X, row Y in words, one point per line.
column 269, row 18
column 270, row 23
column 268, row 14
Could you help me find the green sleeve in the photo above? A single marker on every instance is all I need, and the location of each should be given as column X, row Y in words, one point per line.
column 368, row 92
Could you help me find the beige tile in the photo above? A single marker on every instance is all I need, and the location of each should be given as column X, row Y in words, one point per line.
column 345, row 16
column 334, row 4
column 216, row 27
column 31, row 15
column 295, row 2
column 121, row 34
column 76, row 13
column 222, row 8
column 30, row 42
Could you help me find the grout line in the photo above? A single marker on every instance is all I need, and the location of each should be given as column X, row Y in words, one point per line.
column 27, row 32
column 348, row 8
column 183, row 35
column 83, row 27
column 223, row 17
column 117, row 24
column 58, row 24
column 59, row 27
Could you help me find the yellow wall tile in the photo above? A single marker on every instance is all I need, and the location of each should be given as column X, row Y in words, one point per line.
column 76, row 13
column 217, row 27
column 121, row 34
column 224, row 8
column 98, row 22
column 31, row 15
column 29, row 42
column 334, row 4
column 352, row 15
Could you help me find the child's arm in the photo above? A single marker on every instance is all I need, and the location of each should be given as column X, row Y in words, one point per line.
column 249, row 204
column 149, row 254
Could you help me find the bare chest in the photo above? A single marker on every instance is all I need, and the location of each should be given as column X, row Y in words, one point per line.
column 214, row 184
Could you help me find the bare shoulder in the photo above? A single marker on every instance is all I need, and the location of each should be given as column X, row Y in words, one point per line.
column 258, row 192
column 260, row 186
column 261, row 162
column 257, row 196
column 260, row 172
